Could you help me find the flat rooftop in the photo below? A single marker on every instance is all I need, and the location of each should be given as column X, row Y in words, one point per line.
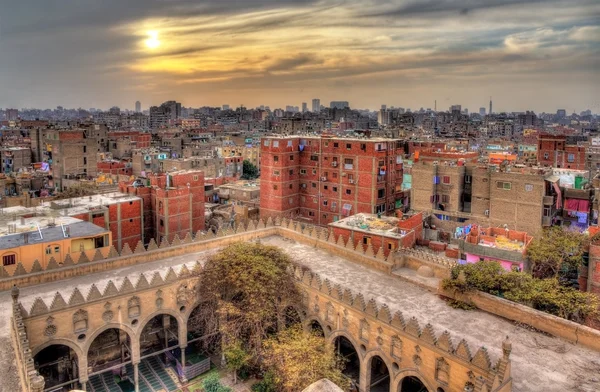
column 51, row 234
column 333, row 137
column 539, row 362
column 370, row 224
column 73, row 206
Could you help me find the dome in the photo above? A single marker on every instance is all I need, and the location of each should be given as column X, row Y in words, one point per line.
column 323, row 385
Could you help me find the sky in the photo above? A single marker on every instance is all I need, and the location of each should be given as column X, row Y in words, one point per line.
column 528, row 54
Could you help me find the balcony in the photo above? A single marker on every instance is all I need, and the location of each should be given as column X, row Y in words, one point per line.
column 548, row 200
column 577, row 194
column 348, row 166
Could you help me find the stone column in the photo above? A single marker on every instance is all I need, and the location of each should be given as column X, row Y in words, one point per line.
column 136, row 377
column 37, row 383
column 183, row 378
column 82, row 370
column 363, row 379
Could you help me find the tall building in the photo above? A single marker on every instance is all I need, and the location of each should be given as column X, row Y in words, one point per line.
column 561, row 113
column 482, row 112
column 304, row 107
column 490, row 112
column 339, row 105
column 164, row 114
column 12, row 114
column 225, row 107
column 138, row 107
column 323, row 179
column 316, row 105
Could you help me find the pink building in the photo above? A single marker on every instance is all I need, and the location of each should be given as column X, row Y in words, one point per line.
column 508, row 247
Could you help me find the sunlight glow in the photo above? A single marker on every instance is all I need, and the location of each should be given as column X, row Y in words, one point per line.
column 152, row 42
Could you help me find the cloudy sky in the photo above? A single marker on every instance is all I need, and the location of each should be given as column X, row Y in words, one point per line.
column 528, row 54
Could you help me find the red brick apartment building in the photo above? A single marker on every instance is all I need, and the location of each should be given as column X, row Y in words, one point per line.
column 553, row 151
column 173, row 203
column 322, row 179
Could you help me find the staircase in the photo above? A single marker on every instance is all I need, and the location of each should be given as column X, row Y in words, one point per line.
column 143, row 385
column 159, row 369
column 109, row 381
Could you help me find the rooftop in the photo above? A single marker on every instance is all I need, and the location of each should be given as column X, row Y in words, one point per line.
column 330, row 137
column 539, row 361
column 370, row 223
column 50, row 233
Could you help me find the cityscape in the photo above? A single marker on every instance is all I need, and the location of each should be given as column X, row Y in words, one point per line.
column 300, row 196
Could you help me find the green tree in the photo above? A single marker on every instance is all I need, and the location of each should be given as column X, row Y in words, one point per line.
column 249, row 171
column 245, row 287
column 236, row 358
column 212, row 383
column 555, row 251
column 297, row 359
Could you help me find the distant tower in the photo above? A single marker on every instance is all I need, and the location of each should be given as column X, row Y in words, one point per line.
column 435, row 105
column 138, row 106
column 490, row 112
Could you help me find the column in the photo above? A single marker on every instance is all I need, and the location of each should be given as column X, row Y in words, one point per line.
column 136, row 377
column 183, row 378
column 82, row 370
column 363, row 378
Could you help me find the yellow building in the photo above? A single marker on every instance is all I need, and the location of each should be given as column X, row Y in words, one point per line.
column 26, row 240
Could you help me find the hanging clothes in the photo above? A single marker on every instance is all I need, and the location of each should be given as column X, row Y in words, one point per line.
column 572, row 204
column 584, row 206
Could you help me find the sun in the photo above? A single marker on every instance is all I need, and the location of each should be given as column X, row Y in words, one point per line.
column 152, row 42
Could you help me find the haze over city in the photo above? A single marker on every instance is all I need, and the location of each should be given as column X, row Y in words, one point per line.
column 536, row 55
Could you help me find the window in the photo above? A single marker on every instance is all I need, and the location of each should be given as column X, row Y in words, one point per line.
column 275, row 158
column 446, row 180
column 48, row 250
column 314, row 158
column 348, row 164
column 325, row 203
column 348, row 192
column 291, row 186
column 84, row 149
column 302, row 171
column 275, row 143
column 314, row 171
column 335, row 188
column 275, row 187
column 326, row 144
column 325, row 187
column 380, row 209
column 267, row 143
column 195, row 178
column 334, row 175
column 571, row 158
column 162, row 223
column 348, row 146
column 380, row 193
column 291, row 157
column 546, row 211
column 336, row 145
column 311, row 213
column 9, row 259
column 291, row 172
column 56, row 249
column 314, row 184
column 276, row 172
column 363, row 146
column 445, row 198
column 528, row 187
column 85, row 160
column 504, row 185
column 381, row 163
column 366, row 240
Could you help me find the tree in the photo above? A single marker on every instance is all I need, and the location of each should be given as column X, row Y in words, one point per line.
column 249, row 170
column 245, row 287
column 297, row 359
column 236, row 358
column 555, row 251
column 212, row 383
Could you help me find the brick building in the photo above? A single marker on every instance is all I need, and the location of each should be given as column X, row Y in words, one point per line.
column 173, row 203
column 322, row 179
column 554, row 151
column 15, row 158
column 524, row 199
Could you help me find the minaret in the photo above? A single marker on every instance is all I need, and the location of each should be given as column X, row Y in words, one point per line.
column 490, row 112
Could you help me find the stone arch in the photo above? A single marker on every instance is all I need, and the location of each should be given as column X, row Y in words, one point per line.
column 314, row 324
column 181, row 324
column 207, row 339
column 133, row 337
column 350, row 369
column 57, row 365
column 368, row 361
column 397, row 382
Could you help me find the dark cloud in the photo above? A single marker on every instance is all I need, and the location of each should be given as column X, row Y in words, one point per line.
column 291, row 63
column 461, row 7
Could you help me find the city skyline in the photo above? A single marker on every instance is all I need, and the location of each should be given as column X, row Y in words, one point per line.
column 532, row 55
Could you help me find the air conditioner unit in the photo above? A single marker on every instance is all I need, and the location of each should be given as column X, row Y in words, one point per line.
column 323, row 178
column 350, row 181
column 487, row 212
column 334, row 164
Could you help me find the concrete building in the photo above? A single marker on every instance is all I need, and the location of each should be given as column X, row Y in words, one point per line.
column 339, row 105
column 524, row 199
column 11, row 114
column 138, row 107
column 15, row 158
column 165, row 114
column 316, row 105
column 553, row 151
column 322, row 179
